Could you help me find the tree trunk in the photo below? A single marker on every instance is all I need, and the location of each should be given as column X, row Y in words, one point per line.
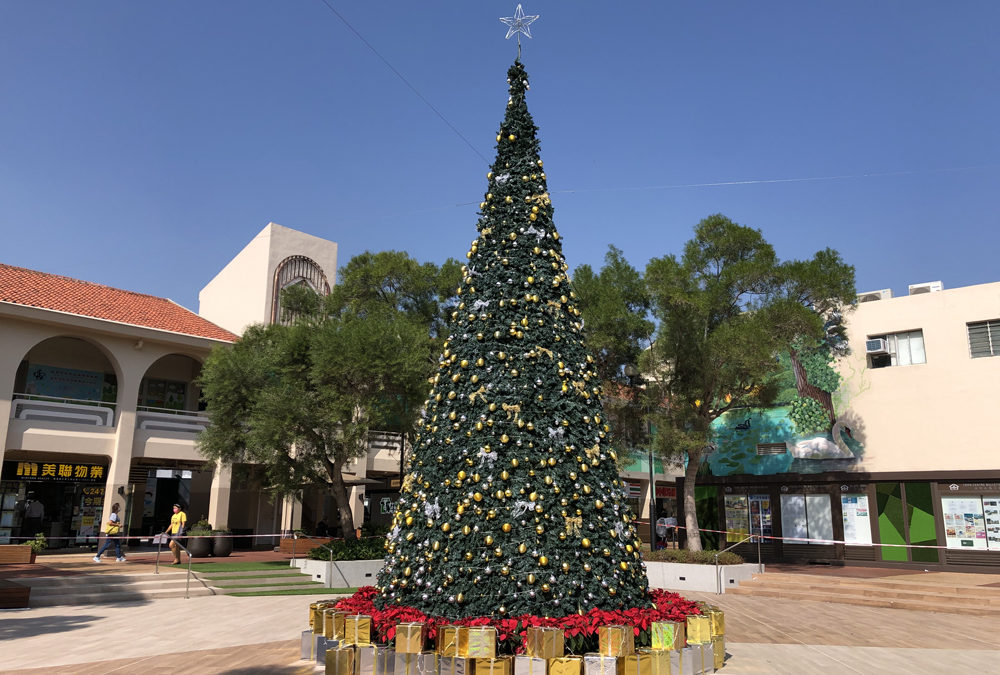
column 805, row 389
column 690, row 507
column 342, row 498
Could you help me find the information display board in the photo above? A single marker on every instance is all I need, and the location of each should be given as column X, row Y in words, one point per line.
column 964, row 523
column 737, row 518
column 760, row 516
column 857, row 520
column 991, row 507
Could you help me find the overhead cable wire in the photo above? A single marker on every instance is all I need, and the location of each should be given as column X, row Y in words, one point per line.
column 405, row 81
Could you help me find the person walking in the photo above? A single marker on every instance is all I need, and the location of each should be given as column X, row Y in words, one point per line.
column 112, row 535
column 178, row 524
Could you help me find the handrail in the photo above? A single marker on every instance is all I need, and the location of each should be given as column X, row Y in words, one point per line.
column 61, row 399
column 156, row 570
column 718, row 579
column 295, row 537
column 171, row 411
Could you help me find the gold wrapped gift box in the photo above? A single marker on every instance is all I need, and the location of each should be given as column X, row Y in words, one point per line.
column 492, row 665
column 566, row 665
column 481, row 643
column 699, row 629
column 357, row 629
column 424, row 663
column 545, row 643
column 333, row 624
column 647, row 662
column 451, row 640
column 615, row 640
column 410, row 638
column 719, row 650
column 718, row 620
column 340, row 661
column 667, row 635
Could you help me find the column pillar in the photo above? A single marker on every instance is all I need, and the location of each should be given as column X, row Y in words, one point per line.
column 218, row 501
column 121, row 454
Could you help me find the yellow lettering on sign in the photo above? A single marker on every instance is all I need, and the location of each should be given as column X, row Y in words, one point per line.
column 65, row 470
column 80, row 471
column 49, row 470
column 97, row 472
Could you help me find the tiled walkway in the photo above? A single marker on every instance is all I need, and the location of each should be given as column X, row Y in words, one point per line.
column 226, row 634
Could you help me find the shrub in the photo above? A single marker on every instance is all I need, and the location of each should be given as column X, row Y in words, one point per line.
column 37, row 544
column 350, row 549
column 201, row 528
column 682, row 555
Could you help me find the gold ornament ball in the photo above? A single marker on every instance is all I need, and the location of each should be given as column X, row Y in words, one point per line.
column 543, row 561
column 522, row 549
column 531, row 578
column 585, row 543
column 511, row 138
column 506, row 527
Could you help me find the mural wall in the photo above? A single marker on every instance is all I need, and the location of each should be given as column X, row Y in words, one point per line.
column 809, row 429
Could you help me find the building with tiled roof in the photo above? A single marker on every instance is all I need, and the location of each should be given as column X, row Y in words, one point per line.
column 31, row 288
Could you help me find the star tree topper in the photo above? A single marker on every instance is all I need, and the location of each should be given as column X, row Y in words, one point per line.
column 519, row 23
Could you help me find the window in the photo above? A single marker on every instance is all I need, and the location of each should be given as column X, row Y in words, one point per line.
column 806, row 517
column 984, row 338
column 771, row 449
column 901, row 349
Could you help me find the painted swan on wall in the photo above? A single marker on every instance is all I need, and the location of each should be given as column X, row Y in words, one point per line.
column 821, row 447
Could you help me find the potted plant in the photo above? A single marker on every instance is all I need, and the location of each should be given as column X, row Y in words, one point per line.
column 222, row 542
column 38, row 544
column 199, row 539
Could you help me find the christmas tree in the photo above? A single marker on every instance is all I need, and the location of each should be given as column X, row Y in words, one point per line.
column 512, row 502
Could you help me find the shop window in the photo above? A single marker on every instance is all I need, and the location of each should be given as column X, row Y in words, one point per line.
column 748, row 515
column 984, row 338
column 806, row 517
column 896, row 349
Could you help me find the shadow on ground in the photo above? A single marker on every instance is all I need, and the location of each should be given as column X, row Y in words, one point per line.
column 13, row 627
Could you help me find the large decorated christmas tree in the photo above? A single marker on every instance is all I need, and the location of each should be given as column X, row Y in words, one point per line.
column 512, row 503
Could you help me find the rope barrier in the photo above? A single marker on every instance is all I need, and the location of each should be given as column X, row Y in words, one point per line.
column 741, row 533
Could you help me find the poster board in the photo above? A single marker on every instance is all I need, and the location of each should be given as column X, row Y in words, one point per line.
column 737, row 518
column 991, row 507
column 819, row 517
column 964, row 523
column 760, row 516
column 857, row 519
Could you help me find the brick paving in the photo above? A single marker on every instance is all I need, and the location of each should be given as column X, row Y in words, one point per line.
column 260, row 635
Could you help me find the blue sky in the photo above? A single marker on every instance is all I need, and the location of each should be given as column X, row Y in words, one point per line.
column 142, row 144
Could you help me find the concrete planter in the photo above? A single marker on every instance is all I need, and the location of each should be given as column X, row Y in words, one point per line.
column 342, row 573
column 688, row 577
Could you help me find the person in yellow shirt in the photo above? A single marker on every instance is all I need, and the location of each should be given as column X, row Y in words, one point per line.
column 178, row 524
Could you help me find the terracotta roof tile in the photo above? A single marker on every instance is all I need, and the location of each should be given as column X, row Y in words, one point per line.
column 50, row 291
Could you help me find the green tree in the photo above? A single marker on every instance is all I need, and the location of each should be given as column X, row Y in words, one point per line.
column 615, row 306
column 299, row 398
column 724, row 316
column 512, row 502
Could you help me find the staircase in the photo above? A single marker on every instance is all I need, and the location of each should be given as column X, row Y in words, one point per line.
column 257, row 582
column 913, row 592
column 102, row 587
column 108, row 588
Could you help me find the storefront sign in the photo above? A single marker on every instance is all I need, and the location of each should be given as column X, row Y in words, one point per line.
column 54, row 472
column 665, row 492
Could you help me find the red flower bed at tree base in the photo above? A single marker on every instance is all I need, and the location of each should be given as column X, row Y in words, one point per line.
column 580, row 629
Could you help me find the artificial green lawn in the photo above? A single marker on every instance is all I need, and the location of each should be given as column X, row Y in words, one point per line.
column 271, row 565
column 302, row 591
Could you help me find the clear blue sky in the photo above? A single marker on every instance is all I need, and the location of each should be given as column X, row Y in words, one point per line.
column 142, row 144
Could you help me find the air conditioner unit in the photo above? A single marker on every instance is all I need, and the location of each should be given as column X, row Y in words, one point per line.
column 928, row 287
column 871, row 296
column 877, row 346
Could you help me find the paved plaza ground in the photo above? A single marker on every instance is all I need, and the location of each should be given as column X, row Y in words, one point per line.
column 243, row 635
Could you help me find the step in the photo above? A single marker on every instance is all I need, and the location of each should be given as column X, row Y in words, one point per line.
column 914, row 592
column 251, row 573
column 880, row 585
column 296, row 587
column 944, row 605
column 110, row 597
column 269, row 582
